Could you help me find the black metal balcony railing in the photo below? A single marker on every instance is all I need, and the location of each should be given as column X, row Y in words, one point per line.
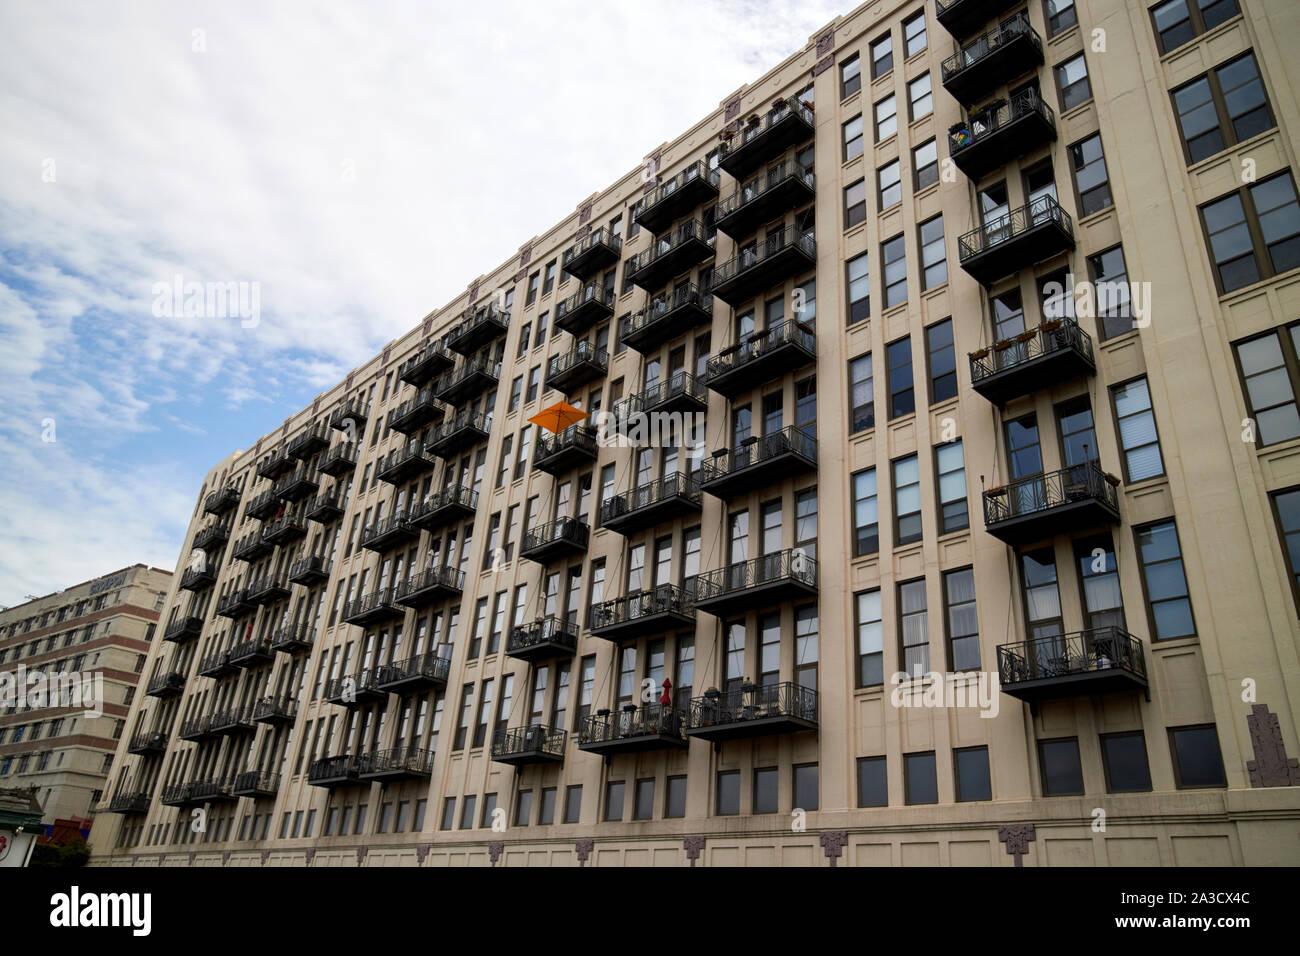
column 679, row 392
column 1039, row 358
column 689, row 189
column 292, row 638
column 251, row 547
column 555, row 539
column 309, row 570
column 275, row 709
column 129, row 801
column 767, row 196
column 221, row 501
column 415, row 673
column 564, row 451
column 326, row 507
column 647, row 727
column 661, row 608
column 195, row 728
column 212, row 790
column 674, row 252
column 753, row 710
column 148, row 742
column 1095, row 661
column 183, row 629
column 571, row 370
column 468, row 382
column 198, row 579
column 333, row 771
column 235, row 604
column 443, row 507
column 1055, row 502
column 402, row 464
column 478, row 327
column 591, row 253
column 992, row 59
column 580, row 311
column 543, row 640
column 252, row 653
column 209, row 539
column 351, row 689
column 232, row 720
column 991, row 138
column 432, row 584
column 339, row 460
column 668, row 316
column 416, row 412
column 781, row 255
column 653, row 503
column 285, row 529
column 390, row 532
column 308, row 443
column 960, row 17
column 759, row 462
column 355, row 411
column 425, row 365
column 263, row 505
column 1029, row 234
column 461, row 432
column 399, row 763
column 762, row 139
column 175, row 794
column 256, row 783
column 166, row 685
column 785, row 347
column 372, row 608
column 522, row 745
column 216, row 664
column 268, row 588
column 774, row 578
column 276, row 463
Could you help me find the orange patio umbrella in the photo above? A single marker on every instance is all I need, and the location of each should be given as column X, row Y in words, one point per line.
column 558, row 417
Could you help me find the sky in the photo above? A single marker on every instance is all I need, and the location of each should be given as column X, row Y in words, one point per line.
column 357, row 164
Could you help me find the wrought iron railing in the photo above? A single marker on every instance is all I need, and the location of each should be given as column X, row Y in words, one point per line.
column 198, row 576
column 411, row 451
column 583, row 352
column 646, row 720
column 561, row 529
column 1042, row 210
column 461, row 422
column 424, row 398
column 487, row 313
column 756, row 345
column 754, row 702
column 443, row 575
column 451, row 495
column 980, row 126
column 676, row 485
column 538, row 738
column 597, row 237
column 679, row 383
column 257, row 782
column 663, row 305
column 221, row 499
column 332, row 768
column 792, row 564
column 428, row 664
column 581, row 435
column 547, row 630
column 478, row 366
column 292, row 636
column 171, row 682
column 275, row 705
column 351, row 686
column 257, row 647
column 1052, row 489
column 588, row 293
column 396, row 760
column 214, row 535
column 776, row 114
column 187, row 625
column 129, row 801
column 285, row 524
column 662, row 245
column 1057, row 335
column 698, row 170
column 1010, row 29
column 381, row 599
column 148, row 740
column 661, row 599
column 1094, row 650
column 353, row 409
column 397, row 523
column 762, row 184
column 312, row 436
column 789, row 440
column 306, row 566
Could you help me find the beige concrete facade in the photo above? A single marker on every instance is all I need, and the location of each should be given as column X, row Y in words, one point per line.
column 63, row 748
column 1163, row 731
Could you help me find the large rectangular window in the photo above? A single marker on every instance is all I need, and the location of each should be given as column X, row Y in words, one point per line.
column 1253, row 233
column 920, row 97
column 934, row 257
column 950, row 471
column 1269, row 372
column 962, row 620
column 855, row 203
column 1222, row 108
column 853, row 138
column 890, row 182
column 1286, row 507
column 902, row 400
column 1180, row 21
column 1091, row 183
column 870, row 639
column 894, row 256
column 866, row 514
column 942, row 361
column 858, row 269
column 1114, row 306
column 913, row 628
column 873, row 790
column 862, row 402
column 920, row 783
column 1137, row 430
column 886, row 112
column 1061, row 15
column 1124, row 760
column 850, row 76
column 1060, row 769
column 1198, row 761
column 925, row 164
column 907, row 500
column 1165, row 582
column 1072, row 80
column 970, row 771
column 882, row 56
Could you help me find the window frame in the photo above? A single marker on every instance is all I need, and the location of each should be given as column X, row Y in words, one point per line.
column 1152, row 636
column 1227, row 131
column 1259, row 245
column 1119, row 438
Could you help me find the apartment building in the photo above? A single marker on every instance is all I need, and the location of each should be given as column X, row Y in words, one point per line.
column 69, row 666
column 986, row 554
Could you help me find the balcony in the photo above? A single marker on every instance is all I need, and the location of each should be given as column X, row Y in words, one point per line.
column 402, row 763
column 252, row 653
column 277, row 462
column 453, row 503
column 667, row 317
column 992, row 59
column 680, row 392
column 761, row 358
column 325, row 508
column 149, row 742
column 198, row 579
column 1056, row 502
column 339, row 460
column 461, row 432
column 655, row 503
column 402, row 464
column 212, row 791
column 430, row 585
column 313, row 440
column 333, row 772
column 654, row 611
column 235, row 604
column 416, row 412
column 1103, row 660
column 544, row 640
column 758, row 463
column 468, row 383
column 960, row 17
column 564, row 451
column 524, row 745
column 251, row 547
column 183, row 629
column 263, row 506
column 212, row 538
column 789, row 575
column 569, row 371
column 671, row 254
column 268, row 589
column 309, row 570
column 349, row 415
column 216, row 664
column 219, row 502
column 301, row 483
column 780, row 256
column 196, row 728
column 233, row 720
column 1037, row 359
column 634, row 730
column 753, row 710
column 286, row 530
column 563, row 537
column 415, row 673
column 389, row 533
column 688, row 190
column 175, row 795
column 1001, row 132
column 274, row 709
column 426, row 365
column 131, row 801
column 788, row 123
column 353, row 689
column 256, row 783
column 166, row 685
column 479, row 327
column 766, row 197
column 292, row 638
column 1025, row 236
column 592, row 253
column 373, row 608
column 583, row 309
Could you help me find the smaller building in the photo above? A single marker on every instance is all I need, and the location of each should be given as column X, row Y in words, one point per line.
column 20, row 825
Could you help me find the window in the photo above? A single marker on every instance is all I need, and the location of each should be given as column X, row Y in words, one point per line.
column 1164, row 582
column 914, row 628
column 1072, row 78
column 882, row 56
column 857, row 269
column 866, row 527
column 728, row 798
column 920, row 97
column 1090, row 182
column 1110, row 278
column 894, row 256
column 805, row 786
column 546, row 811
column 1061, row 771
column 534, row 281
column 1286, row 507
column 1197, row 760
column 855, row 204
column 853, row 138
column 614, row 800
column 889, row 177
column 572, row 804
column 850, row 77
column 907, row 500
column 1061, row 16
column 873, row 790
column 871, row 671
column 1124, row 759
column 765, row 790
column 970, row 771
column 548, row 283
column 920, row 784
column 925, row 161
column 1222, row 108
column 675, row 797
column 886, row 118
column 962, row 620
column 1137, row 430
column 1253, row 233
column 950, row 471
column 934, row 258
column 902, row 401
column 1180, row 21
column 862, row 406
column 914, row 35
column 467, row 807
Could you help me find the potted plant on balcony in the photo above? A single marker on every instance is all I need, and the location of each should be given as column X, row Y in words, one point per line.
column 997, row 491
column 1051, row 325
column 1112, row 480
column 978, row 354
column 1001, row 345
column 1027, row 335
